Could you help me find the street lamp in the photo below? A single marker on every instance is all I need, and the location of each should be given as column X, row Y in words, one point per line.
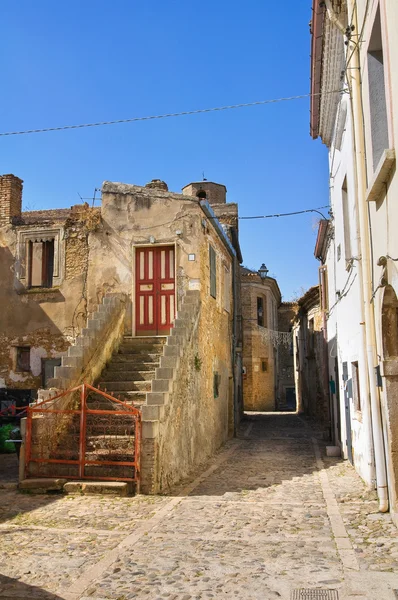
column 263, row 271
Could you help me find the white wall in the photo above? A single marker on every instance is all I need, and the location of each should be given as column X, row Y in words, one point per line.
column 344, row 296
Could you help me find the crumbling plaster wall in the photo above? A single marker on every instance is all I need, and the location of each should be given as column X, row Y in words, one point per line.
column 130, row 216
column 46, row 320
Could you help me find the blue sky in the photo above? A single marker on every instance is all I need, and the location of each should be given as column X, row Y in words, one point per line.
column 76, row 62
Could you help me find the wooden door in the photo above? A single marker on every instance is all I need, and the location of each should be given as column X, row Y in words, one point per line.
column 155, row 290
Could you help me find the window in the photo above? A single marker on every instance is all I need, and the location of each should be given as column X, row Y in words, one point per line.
column 356, row 395
column 23, row 358
column 41, row 257
column 227, row 289
column 264, row 365
column 377, row 93
column 41, row 263
column 346, row 224
column 213, row 272
column 260, row 311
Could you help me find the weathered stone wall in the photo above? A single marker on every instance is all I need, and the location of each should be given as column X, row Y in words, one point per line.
column 46, row 320
column 193, row 423
column 259, row 356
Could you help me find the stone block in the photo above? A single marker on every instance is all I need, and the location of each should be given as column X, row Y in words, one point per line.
column 150, row 429
column 169, row 362
column 164, row 373
column 160, row 385
column 171, row 350
column 156, row 398
column 98, row 488
column 42, row 486
column 152, row 412
column 75, row 351
column 71, row 361
column 174, row 340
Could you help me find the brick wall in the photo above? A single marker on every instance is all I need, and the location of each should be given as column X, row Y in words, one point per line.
column 10, row 198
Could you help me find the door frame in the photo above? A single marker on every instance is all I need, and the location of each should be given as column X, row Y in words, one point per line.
column 136, row 247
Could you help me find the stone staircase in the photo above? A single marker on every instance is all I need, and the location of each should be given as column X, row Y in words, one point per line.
column 132, row 368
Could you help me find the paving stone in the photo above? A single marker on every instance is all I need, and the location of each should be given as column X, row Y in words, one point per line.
column 257, row 527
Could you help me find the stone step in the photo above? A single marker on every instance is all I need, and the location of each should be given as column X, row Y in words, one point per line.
column 100, row 488
column 136, row 357
column 126, row 375
column 144, row 340
column 131, row 397
column 141, row 350
column 126, row 386
column 133, row 365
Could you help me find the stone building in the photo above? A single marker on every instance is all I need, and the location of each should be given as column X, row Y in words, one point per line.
column 310, row 358
column 261, row 299
column 148, row 266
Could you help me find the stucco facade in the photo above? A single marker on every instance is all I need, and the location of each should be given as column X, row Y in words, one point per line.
column 360, row 131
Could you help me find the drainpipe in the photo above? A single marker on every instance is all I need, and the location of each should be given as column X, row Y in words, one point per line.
column 370, row 332
column 235, row 363
column 333, row 18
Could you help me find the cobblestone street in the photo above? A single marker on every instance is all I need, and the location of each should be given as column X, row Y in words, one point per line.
column 270, row 514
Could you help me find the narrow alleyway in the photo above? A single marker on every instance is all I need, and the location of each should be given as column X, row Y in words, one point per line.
column 270, row 515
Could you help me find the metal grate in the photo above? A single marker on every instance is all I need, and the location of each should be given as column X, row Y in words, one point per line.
column 314, row 594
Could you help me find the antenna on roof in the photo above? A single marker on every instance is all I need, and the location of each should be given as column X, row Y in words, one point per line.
column 203, row 176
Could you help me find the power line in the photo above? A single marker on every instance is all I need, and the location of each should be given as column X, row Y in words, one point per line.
column 165, row 116
column 289, row 214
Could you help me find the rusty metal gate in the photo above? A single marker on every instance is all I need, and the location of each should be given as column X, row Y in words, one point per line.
column 83, row 433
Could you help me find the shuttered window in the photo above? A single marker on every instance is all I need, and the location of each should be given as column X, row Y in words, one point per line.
column 213, row 272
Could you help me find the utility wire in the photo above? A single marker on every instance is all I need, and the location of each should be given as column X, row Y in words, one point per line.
column 165, row 116
column 298, row 212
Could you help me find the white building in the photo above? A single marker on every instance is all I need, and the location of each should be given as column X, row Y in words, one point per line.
column 354, row 85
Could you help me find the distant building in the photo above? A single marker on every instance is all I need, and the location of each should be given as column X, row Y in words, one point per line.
column 310, row 358
column 268, row 374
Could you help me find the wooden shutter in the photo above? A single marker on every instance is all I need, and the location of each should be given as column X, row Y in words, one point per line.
column 213, row 272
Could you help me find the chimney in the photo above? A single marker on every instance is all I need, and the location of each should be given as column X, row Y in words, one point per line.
column 157, row 184
column 10, row 198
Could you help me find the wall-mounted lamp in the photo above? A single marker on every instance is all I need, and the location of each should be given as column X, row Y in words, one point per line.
column 179, row 232
column 152, row 239
column 263, row 271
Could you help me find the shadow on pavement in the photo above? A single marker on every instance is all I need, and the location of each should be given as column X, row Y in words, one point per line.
column 12, row 589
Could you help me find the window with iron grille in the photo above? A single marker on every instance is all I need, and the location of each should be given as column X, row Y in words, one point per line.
column 213, row 272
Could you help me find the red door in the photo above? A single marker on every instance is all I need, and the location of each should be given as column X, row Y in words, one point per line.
column 155, row 290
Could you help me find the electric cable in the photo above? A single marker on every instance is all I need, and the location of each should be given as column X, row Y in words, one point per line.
column 166, row 115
